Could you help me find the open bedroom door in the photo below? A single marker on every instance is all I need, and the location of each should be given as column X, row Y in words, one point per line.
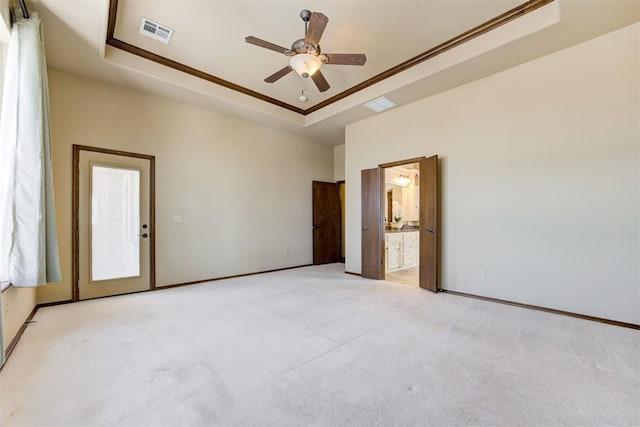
column 372, row 228
column 429, row 223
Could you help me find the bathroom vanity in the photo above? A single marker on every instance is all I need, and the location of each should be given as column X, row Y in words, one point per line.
column 401, row 249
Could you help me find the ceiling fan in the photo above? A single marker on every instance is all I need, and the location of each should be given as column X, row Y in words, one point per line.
column 306, row 58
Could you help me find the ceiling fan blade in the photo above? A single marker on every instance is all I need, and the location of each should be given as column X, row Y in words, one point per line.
column 317, row 24
column 346, row 58
column 265, row 44
column 320, row 81
column 278, row 74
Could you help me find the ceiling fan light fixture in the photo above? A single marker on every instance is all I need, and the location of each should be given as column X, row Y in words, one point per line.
column 305, row 55
column 305, row 64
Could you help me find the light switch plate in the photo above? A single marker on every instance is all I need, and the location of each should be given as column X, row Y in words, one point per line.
column 177, row 218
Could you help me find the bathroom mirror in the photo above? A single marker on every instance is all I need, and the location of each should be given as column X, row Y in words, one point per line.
column 394, row 193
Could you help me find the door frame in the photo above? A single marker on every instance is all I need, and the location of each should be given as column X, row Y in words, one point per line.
column 75, row 213
column 384, row 166
column 341, row 183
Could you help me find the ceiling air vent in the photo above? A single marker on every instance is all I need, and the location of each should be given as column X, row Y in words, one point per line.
column 380, row 104
column 155, row 30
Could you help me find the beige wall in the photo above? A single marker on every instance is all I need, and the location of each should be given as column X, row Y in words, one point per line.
column 244, row 190
column 17, row 304
column 539, row 178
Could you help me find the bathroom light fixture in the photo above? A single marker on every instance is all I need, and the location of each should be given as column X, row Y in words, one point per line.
column 403, row 180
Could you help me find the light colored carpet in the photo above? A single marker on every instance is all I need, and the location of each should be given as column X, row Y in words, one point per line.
column 314, row 346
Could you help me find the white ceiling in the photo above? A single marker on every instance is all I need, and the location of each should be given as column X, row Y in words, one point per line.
column 209, row 36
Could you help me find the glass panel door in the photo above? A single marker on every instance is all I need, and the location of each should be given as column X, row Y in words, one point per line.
column 115, row 222
column 113, row 194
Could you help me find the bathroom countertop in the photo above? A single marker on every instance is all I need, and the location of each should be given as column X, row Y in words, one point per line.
column 402, row 230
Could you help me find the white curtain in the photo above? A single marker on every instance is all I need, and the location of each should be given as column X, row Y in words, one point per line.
column 28, row 240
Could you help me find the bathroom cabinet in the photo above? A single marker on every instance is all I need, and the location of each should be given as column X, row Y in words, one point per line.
column 393, row 254
column 401, row 250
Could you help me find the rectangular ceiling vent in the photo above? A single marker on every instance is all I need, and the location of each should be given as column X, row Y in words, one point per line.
column 155, row 30
column 380, row 104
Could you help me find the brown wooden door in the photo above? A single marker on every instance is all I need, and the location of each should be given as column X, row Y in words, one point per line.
column 429, row 223
column 326, row 222
column 372, row 230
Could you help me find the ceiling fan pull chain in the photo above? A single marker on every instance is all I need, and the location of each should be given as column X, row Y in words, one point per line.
column 303, row 97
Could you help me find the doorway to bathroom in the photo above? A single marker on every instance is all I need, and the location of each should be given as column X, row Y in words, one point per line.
column 402, row 223
column 383, row 228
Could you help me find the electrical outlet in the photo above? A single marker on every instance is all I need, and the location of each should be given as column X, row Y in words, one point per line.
column 178, row 265
column 483, row 273
column 286, row 253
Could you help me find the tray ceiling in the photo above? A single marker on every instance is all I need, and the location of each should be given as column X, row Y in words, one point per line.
column 403, row 41
column 209, row 37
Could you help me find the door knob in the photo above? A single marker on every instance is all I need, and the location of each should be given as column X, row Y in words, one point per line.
column 144, row 235
column 315, row 226
column 430, row 230
column 144, row 225
column 365, row 228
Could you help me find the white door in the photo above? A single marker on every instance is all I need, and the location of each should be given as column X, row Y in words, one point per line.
column 114, row 224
